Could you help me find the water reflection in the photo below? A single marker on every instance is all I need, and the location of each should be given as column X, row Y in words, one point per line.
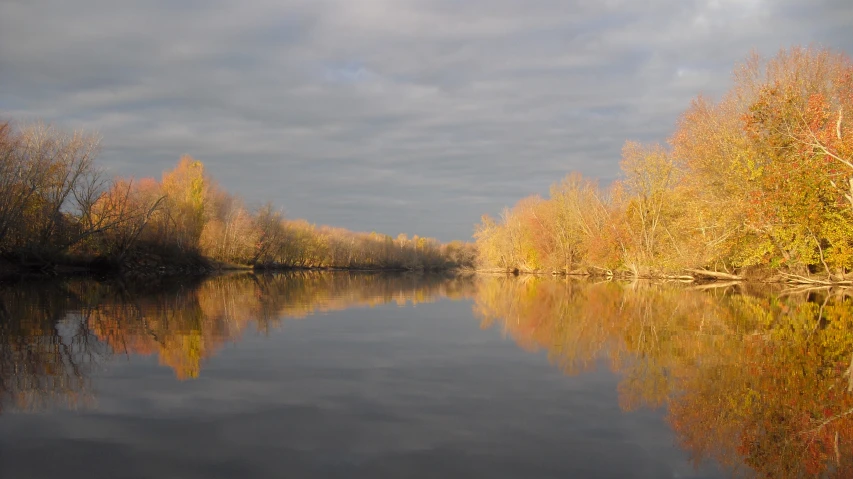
column 54, row 334
column 757, row 380
column 44, row 359
column 753, row 378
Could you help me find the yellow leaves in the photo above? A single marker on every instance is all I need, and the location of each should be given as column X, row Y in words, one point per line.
column 186, row 182
column 552, row 235
column 648, row 169
column 187, row 191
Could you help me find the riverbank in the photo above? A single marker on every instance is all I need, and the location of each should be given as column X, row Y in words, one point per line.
column 702, row 276
column 137, row 265
column 142, row 265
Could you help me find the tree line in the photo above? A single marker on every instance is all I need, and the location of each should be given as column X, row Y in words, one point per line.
column 57, row 204
column 759, row 182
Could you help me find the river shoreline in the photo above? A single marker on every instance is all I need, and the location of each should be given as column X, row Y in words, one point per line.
column 154, row 266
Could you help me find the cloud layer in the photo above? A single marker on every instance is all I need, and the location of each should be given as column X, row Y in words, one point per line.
column 386, row 115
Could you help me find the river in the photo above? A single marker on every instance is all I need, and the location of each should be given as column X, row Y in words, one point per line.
column 398, row 375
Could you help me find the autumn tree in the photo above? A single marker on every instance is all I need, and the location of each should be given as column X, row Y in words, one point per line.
column 764, row 160
column 760, row 180
column 230, row 233
column 578, row 213
column 185, row 209
column 129, row 205
column 271, row 235
column 56, row 204
column 47, row 177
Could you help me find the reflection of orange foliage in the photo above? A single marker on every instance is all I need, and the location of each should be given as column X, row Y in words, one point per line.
column 748, row 380
column 780, row 404
column 53, row 334
column 186, row 328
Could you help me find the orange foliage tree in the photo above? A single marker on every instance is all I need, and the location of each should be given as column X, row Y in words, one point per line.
column 762, row 179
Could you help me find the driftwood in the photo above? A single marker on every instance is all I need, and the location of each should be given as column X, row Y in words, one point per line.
column 797, row 279
column 708, row 274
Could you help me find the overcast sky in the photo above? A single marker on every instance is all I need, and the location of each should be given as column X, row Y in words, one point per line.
column 413, row 116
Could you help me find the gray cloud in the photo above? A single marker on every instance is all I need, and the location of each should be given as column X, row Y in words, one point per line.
column 387, row 115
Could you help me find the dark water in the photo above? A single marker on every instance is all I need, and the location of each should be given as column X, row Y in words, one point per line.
column 342, row 375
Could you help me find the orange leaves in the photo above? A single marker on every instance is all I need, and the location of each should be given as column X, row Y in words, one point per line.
column 648, row 169
column 53, row 199
column 817, row 114
column 747, row 183
column 186, row 327
column 554, row 234
column 765, row 173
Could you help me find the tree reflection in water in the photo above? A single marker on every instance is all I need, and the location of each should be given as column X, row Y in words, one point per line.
column 54, row 334
column 754, row 378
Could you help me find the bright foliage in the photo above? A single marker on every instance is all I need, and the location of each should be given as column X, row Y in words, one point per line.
column 54, row 202
column 761, row 179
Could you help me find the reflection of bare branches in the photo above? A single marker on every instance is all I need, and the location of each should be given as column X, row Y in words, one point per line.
column 54, row 335
column 46, row 353
column 835, row 290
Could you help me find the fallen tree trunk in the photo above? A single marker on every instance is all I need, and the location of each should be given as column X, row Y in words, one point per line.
column 708, row 274
column 797, row 279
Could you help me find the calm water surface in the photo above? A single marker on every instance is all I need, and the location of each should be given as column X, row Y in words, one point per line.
column 355, row 375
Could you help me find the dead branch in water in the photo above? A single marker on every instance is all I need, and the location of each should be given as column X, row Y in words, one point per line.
column 797, row 279
column 708, row 274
